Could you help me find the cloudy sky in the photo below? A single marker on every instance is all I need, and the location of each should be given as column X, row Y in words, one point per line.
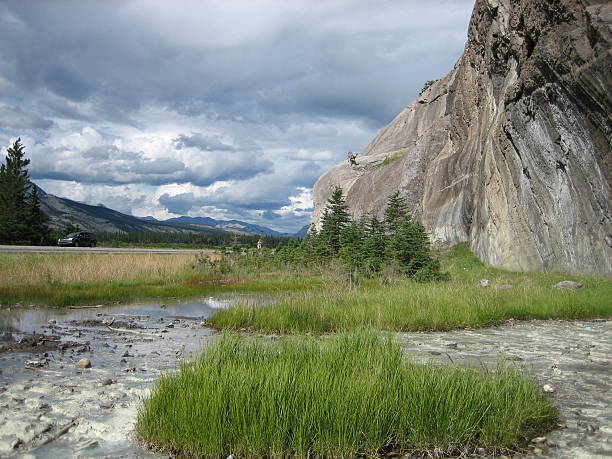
column 227, row 109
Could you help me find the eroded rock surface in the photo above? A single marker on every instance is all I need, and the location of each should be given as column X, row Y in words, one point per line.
column 512, row 150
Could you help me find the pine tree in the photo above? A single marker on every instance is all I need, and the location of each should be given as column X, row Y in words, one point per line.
column 21, row 220
column 374, row 245
column 396, row 211
column 36, row 220
column 352, row 252
column 14, row 190
column 335, row 218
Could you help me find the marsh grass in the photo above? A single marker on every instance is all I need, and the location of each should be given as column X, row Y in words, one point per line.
column 67, row 279
column 52, row 268
column 404, row 305
column 353, row 393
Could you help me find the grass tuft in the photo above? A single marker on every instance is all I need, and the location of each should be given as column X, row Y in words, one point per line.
column 353, row 393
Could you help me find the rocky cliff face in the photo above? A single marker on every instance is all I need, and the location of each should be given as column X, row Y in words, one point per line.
column 512, row 150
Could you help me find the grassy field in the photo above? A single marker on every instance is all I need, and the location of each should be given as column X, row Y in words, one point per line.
column 342, row 396
column 325, row 302
column 411, row 306
column 57, row 279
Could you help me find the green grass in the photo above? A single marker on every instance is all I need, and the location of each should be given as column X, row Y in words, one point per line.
column 84, row 293
column 392, row 157
column 69, row 279
column 347, row 395
column 411, row 306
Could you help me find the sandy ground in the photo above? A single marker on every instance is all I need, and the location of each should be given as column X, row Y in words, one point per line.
column 50, row 408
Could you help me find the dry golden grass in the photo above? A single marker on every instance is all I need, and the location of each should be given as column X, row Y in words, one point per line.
column 53, row 268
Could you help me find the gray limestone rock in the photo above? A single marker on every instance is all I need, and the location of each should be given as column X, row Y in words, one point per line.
column 511, row 151
column 568, row 285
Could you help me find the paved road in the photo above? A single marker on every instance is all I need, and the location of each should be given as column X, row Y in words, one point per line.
column 31, row 248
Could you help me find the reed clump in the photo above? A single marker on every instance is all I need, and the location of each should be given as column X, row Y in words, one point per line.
column 52, row 268
column 346, row 395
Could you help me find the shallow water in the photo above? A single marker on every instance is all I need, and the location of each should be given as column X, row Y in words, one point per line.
column 36, row 404
column 57, row 410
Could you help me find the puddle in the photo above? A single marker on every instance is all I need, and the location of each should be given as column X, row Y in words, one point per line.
column 50, row 408
column 31, row 320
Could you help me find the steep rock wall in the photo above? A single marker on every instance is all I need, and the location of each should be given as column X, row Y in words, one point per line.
column 511, row 150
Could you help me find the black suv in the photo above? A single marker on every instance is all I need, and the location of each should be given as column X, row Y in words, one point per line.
column 79, row 239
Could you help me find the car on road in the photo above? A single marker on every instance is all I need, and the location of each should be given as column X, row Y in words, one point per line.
column 78, row 239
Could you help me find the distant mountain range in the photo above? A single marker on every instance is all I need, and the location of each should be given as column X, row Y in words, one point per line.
column 63, row 212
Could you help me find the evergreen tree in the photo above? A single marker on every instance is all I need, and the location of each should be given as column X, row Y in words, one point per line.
column 352, row 253
column 396, row 212
column 335, row 218
column 21, row 220
column 410, row 247
column 36, row 220
column 14, row 190
column 374, row 245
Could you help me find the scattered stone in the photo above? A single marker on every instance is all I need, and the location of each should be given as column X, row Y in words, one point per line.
column 107, row 404
column 127, row 354
column 108, row 322
column 44, row 407
column 52, row 322
column 18, row 443
column 435, row 353
column 35, row 343
column 170, row 325
column 452, row 345
column 34, row 364
column 83, row 363
column 505, row 287
column 568, row 285
column 86, row 444
column 548, row 388
column 163, row 306
column 538, row 451
column 108, row 382
column 482, row 283
column 539, row 440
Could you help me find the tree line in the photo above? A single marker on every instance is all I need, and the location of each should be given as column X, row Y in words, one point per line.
column 368, row 246
column 197, row 240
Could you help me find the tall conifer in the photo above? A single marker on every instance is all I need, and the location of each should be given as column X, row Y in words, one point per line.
column 21, row 220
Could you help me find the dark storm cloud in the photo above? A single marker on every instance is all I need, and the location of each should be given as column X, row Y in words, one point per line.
column 202, row 142
column 122, row 55
column 15, row 118
column 109, row 165
column 179, row 204
column 265, row 94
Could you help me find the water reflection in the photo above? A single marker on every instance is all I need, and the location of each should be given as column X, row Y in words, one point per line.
column 30, row 320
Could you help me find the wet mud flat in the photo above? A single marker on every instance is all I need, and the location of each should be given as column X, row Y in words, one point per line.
column 572, row 360
column 52, row 408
